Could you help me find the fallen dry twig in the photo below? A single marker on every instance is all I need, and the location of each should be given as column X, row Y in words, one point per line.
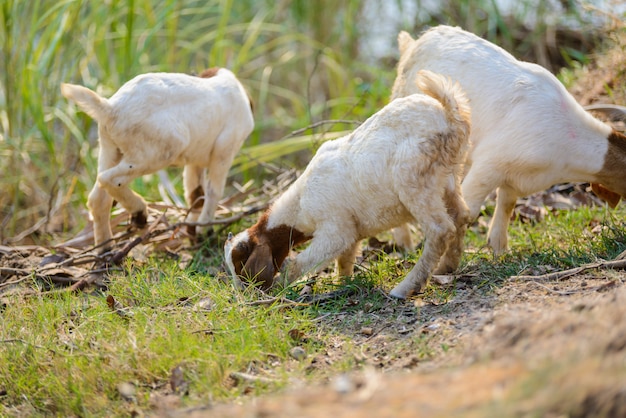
column 563, row 274
column 271, row 301
column 246, row 377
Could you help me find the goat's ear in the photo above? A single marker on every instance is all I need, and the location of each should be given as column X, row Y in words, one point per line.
column 404, row 40
column 260, row 268
column 605, row 194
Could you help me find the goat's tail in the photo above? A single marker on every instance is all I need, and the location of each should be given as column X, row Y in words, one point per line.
column 451, row 96
column 89, row 101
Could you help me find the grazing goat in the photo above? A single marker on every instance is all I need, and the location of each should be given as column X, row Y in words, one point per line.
column 528, row 132
column 160, row 119
column 401, row 165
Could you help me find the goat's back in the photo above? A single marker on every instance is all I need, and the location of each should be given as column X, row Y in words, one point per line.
column 360, row 178
column 183, row 116
column 187, row 100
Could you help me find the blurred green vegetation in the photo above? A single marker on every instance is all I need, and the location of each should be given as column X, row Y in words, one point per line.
column 301, row 61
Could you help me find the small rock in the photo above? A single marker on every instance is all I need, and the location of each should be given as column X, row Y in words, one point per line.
column 367, row 331
column 204, row 304
column 343, row 384
column 298, row 353
column 127, row 391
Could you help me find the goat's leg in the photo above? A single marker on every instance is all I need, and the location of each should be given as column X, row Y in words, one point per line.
column 438, row 229
column 505, row 204
column 194, row 193
column 326, row 245
column 216, row 174
column 402, row 237
column 478, row 183
column 115, row 181
column 345, row 261
column 99, row 201
column 459, row 213
column 99, row 204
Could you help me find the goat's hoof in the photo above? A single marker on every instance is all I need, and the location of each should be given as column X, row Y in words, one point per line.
column 445, row 269
column 139, row 219
column 191, row 231
column 404, row 290
column 400, row 294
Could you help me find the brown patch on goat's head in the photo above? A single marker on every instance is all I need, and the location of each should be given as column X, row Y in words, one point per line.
column 209, row 72
column 256, row 254
column 250, row 260
column 611, row 183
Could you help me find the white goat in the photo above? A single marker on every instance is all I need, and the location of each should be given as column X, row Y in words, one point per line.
column 528, row 132
column 160, row 119
column 401, row 165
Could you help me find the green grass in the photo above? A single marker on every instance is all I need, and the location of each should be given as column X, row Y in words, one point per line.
column 66, row 354
column 77, row 350
column 565, row 239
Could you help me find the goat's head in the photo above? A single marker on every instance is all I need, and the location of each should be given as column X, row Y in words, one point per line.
column 613, row 173
column 249, row 257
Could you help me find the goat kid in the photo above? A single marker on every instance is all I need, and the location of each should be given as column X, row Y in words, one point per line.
column 160, row 119
column 528, row 132
column 401, row 165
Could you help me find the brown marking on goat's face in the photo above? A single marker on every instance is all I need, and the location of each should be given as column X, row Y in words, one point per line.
column 240, row 253
column 261, row 256
column 613, row 174
column 209, row 72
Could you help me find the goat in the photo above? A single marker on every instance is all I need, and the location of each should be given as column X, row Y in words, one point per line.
column 528, row 132
column 160, row 119
column 401, row 165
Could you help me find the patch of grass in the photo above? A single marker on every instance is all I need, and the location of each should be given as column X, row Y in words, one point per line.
column 563, row 240
column 77, row 350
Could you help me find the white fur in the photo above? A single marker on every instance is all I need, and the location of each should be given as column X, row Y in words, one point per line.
column 161, row 119
column 528, row 132
column 401, row 165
